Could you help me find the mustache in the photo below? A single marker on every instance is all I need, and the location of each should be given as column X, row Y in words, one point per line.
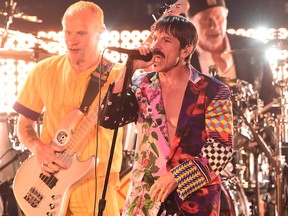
column 158, row 52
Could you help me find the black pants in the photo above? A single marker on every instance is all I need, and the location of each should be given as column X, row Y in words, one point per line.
column 170, row 206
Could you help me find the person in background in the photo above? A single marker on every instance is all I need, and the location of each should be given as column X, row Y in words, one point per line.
column 56, row 86
column 229, row 57
column 181, row 146
column 232, row 58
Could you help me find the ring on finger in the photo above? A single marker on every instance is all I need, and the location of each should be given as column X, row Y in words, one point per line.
column 44, row 165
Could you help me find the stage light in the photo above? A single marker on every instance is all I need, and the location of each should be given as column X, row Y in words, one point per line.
column 15, row 67
column 261, row 34
column 278, row 60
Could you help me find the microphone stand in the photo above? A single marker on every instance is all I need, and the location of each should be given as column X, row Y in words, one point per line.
column 282, row 141
column 102, row 201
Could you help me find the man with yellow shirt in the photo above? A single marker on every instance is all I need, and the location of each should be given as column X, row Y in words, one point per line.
column 56, row 87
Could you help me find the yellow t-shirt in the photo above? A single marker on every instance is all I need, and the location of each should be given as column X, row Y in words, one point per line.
column 53, row 87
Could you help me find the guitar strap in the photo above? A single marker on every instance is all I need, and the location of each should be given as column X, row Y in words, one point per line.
column 97, row 80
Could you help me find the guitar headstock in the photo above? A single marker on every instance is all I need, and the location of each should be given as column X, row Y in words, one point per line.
column 171, row 8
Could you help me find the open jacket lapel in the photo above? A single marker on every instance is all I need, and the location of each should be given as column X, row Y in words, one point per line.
column 156, row 103
column 192, row 99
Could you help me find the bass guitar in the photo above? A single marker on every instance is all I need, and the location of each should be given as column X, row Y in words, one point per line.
column 37, row 194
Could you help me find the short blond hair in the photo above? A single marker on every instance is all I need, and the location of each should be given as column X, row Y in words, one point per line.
column 83, row 5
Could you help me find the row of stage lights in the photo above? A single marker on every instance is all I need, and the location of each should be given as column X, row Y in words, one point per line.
column 23, row 50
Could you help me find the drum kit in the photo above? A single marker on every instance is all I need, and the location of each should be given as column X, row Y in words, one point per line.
column 260, row 147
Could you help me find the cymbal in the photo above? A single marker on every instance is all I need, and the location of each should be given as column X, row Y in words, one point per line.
column 47, row 40
column 16, row 54
column 23, row 17
column 230, row 82
column 274, row 103
column 34, row 54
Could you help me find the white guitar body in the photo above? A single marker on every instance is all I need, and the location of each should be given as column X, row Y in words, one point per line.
column 39, row 195
column 36, row 198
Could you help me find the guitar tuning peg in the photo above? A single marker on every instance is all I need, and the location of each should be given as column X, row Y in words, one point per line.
column 162, row 10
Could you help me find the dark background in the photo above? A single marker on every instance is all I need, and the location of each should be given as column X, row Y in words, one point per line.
column 136, row 14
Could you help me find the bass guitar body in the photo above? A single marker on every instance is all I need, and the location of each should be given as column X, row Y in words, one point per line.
column 40, row 195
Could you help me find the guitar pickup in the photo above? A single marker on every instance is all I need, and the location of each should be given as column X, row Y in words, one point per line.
column 49, row 181
column 33, row 197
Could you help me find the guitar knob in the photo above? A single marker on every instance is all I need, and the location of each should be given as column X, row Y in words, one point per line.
column 52, row 206
column 162, row 10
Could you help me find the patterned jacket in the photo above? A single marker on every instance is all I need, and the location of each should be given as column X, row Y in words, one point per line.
column 201, row 148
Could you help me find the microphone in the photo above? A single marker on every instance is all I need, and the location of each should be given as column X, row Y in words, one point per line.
column 213, row 70
column 134, row 54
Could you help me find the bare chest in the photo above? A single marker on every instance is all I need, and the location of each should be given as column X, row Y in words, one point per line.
column 172, row 100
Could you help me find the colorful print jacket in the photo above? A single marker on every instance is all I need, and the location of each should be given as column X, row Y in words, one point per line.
column 201, row 148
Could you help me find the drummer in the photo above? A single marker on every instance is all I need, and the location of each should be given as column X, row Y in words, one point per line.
column 228, row 57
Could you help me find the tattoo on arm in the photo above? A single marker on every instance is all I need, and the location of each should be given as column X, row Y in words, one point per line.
column 30, row 130
column 31, row 133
